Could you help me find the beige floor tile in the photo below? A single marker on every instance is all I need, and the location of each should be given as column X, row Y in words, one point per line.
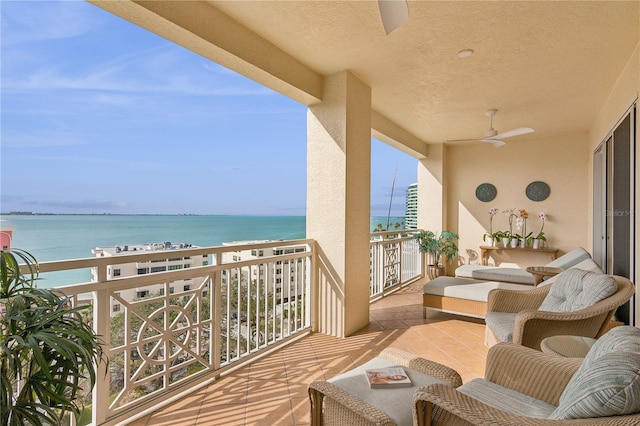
column 222, row 415
column 270, row 413
column 301, row 410
column 144, row 421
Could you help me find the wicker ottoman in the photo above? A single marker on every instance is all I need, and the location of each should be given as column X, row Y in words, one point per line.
column 347, row 399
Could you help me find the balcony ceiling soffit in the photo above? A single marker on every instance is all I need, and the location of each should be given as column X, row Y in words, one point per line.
column 546, row 65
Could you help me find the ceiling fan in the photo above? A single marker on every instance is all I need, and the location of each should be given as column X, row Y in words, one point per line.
column 393, row 13
column 492, row 136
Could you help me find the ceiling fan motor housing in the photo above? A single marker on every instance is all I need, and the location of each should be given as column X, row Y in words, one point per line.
column 490, row 133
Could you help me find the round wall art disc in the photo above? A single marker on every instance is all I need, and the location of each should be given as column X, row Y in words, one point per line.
column 486, row 192
column 537, row 191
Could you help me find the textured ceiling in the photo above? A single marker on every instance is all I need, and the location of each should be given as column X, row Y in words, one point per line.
column 546, row 65
column 549, row 65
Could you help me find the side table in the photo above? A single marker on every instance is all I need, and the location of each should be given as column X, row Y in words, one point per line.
column 567, row 346
column 539, row 272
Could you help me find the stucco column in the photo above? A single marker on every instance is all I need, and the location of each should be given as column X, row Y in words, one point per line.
column 432, row 206
column 338, row 200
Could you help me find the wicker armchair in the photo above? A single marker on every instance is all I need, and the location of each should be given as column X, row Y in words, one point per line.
column 533, row 325
column 537, row 377
column 333, row 403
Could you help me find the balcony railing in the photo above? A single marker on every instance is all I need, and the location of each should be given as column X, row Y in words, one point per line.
column 395, row 261
column 172, row 331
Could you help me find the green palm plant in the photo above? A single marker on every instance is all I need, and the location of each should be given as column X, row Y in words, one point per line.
column 48, row 352
column 438, row 246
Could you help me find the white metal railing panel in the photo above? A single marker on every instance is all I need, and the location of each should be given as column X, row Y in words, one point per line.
column 395, row 261
column 160, row 342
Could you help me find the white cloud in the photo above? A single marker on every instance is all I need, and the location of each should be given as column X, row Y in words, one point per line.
column 131, row 164
column 24, row 23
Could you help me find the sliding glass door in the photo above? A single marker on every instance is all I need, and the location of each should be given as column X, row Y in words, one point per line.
column 614, row 204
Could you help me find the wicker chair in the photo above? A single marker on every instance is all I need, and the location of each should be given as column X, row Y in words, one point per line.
column 333, row 403
column 518, row 378
column 532, row 325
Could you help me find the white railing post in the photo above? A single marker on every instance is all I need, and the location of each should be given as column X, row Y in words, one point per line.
column 215, row 304
column 101, row 321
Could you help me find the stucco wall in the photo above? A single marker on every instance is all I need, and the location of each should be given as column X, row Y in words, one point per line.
column 560, row 161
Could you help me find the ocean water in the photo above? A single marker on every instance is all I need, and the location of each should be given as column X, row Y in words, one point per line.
column 61, row 237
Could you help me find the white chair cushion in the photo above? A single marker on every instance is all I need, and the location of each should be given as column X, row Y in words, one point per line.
column 576, row 289
column 506, row 399
column 501, row 324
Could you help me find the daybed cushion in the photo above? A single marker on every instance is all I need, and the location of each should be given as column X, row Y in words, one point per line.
column 570, row 258
column 461, row 288
column 520, row 275
column 576, row 289
column 494, row 273
column 506, row 399
column 608, row 381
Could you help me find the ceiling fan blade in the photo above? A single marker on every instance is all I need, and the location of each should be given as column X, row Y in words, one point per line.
column 515, row 132
column 393, row 13
column 497, row 143
column 463, row 140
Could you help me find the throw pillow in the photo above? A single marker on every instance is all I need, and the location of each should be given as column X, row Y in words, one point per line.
column 610, row 387
column 608, row 380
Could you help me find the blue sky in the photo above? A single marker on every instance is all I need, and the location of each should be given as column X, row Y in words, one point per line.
column 101, row 116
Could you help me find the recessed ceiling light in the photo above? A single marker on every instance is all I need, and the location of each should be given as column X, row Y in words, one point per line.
column 465, row 53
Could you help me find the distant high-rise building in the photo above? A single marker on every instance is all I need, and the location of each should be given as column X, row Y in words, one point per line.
column 411, row 207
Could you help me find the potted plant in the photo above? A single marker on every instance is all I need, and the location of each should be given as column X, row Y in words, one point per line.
column 503, row 236
column 437, row 247
column 491, row 238
column 48, row 351
column 515, row 240
column 540, row 238
column 529, row 239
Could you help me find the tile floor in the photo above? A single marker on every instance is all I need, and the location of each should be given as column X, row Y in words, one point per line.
column 273, row 390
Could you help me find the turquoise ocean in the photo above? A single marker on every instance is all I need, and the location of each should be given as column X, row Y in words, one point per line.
column 62, row 237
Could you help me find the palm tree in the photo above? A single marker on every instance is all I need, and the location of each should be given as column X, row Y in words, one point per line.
column 48, row 352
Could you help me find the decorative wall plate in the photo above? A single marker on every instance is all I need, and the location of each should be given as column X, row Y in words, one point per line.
column 486, row 192
column 537, row 191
